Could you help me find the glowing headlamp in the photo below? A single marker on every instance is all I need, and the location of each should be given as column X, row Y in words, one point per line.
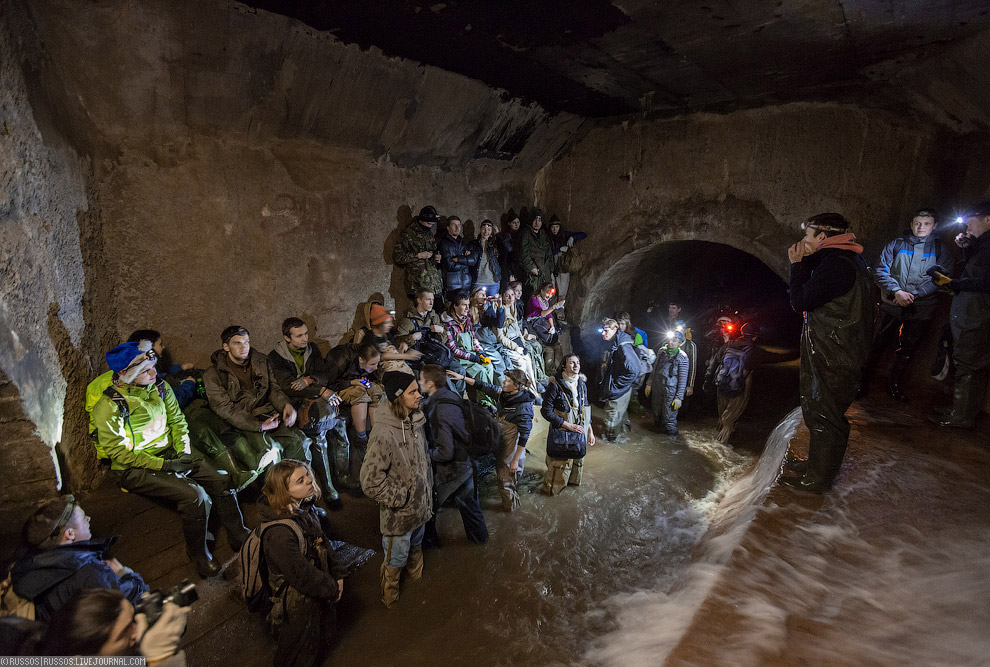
column 960, row 221
column 670, row 334
column 601, row 329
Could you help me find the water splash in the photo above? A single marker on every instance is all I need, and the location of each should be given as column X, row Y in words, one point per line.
column 651, row 623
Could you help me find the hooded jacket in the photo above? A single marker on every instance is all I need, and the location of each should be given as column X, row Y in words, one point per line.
column 396, row 472
column 457, row 266
column 303, row 570
column 49, row 577
column 243, row 407
column 514, row 408
column 416, row 238
column 155, row 426
column 535, row 253
column 447, row 436
column 558, row 400
column 620, row 367
column 286, row 372
column 508, row 251
column 902, row 266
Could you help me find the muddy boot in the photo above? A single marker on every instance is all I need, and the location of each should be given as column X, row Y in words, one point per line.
column 805, row 483
column 896, row 378
column 799, row 466
column 232, row 520
column 390, row 584
column 194, row 530
column 321, row 468
column 238, row 476
column 414, row 565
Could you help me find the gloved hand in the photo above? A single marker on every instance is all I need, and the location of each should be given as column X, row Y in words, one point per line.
column 940, row 278
column 182, row 464
column 648, row 389
column 475, row 358
column 677, row 403
column 161, row 640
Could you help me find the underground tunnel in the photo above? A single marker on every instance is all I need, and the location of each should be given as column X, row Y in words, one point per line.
column 185, row 167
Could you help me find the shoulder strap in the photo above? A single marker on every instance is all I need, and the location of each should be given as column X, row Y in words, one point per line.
column 122, row 407
column 285, row 522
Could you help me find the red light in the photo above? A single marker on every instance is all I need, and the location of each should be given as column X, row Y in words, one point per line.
column 729, row 327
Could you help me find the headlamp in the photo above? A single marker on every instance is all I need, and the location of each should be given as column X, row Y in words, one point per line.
column 960, row 221
column 601, row 329
column 670, row 334
column 823, row 228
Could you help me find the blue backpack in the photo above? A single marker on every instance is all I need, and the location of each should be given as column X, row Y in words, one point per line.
column 731, row 378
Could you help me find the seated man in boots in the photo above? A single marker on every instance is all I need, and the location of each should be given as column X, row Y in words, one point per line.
column 303, row 376
column 242, row 390
column 62, row 558
column 140, row 428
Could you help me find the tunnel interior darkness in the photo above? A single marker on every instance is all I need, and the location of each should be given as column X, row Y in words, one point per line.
column 708, row 278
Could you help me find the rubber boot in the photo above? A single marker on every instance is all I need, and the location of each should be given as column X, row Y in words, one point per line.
column 965, row 401
column 232, row 520
column 238, row 476
column 390, row 584
column 414, row 565
column 241, row 451
column 321, row 468
column 896, row 377
column 194, row 530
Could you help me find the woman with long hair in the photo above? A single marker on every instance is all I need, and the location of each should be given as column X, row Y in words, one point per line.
column 305, row 578
column 487, row 273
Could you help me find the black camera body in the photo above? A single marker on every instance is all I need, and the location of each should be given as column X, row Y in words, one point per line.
column 937, row 269
column 152, row 602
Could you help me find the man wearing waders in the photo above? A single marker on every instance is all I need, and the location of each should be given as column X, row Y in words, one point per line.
column 830, row 284
column 668, row 382
column 970, row 321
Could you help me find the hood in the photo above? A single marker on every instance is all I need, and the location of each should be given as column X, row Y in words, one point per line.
column 282, row 350
column 620, row 337
column 521, row 397
column 40, row 570
column 266, row 513
column 386, row 420
column 842, row 242
column 222, row 363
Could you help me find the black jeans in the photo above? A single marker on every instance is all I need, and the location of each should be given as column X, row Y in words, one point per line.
column 465, row 497
column 909, row 334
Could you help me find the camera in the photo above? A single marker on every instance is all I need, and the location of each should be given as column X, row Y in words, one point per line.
column 152, row 602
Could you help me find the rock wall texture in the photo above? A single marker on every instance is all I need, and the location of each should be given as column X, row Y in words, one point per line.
column 41, row 284
column 746, row 179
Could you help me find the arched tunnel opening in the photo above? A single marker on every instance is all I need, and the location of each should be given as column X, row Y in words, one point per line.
column 708, row 279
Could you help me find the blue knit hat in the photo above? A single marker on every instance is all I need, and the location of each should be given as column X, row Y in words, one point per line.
column 125, row 354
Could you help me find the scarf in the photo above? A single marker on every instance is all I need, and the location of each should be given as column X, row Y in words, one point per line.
column 845, row 241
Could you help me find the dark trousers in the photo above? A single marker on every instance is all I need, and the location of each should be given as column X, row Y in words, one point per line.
column 824, row 409
column 909, row 334
column 465, row 497
column 191, row 491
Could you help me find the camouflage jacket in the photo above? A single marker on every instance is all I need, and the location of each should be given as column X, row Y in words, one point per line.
column 414, row 239
column 536, row 253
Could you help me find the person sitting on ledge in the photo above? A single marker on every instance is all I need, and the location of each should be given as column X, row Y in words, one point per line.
column 303, row 375
column 243, row 391
column 62, row 558
column 140, row 428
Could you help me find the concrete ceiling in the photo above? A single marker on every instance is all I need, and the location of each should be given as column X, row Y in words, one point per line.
column 598, row 58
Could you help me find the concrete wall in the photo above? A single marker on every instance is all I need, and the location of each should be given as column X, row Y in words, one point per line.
column 41, row 285
column 184, row 170
column 746, row 179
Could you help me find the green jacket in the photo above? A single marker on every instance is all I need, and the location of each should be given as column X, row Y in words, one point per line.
column 94, row 392
column 536, row 253
column 156, row 424
column 416, row 238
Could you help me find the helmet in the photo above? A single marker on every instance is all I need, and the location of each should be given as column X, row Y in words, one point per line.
column 428, row 214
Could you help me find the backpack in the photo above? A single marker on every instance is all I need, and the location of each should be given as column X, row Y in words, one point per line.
column 647, row 358
column 484, row 433
column 255, row 590
column 11, row 604
column 731, row 378
column 540, row 327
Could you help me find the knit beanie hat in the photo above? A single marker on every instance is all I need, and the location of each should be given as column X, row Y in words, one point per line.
column 131, row 359
column 379, row 314
column 396, row 383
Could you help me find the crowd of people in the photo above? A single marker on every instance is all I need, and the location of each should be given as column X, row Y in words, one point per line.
column 399, row 408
